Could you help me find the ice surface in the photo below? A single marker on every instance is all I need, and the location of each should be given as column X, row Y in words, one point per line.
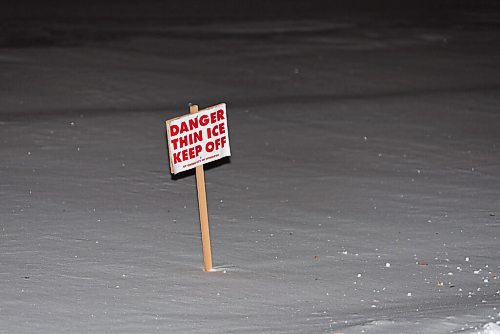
column 355, row 145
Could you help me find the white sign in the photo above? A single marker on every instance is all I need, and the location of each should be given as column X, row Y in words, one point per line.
column 197, row 139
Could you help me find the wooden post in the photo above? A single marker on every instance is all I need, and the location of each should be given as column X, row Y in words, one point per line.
column 203, row 209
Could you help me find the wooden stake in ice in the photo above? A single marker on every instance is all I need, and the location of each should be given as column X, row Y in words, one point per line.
column 203, row 209
column 194, row 140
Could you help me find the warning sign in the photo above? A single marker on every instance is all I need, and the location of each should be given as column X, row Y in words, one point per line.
column 197, row 138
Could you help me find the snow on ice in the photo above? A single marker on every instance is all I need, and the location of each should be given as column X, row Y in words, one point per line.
column 363, row 151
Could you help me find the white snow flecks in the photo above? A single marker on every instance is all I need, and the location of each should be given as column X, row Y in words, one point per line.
column 349, row 205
